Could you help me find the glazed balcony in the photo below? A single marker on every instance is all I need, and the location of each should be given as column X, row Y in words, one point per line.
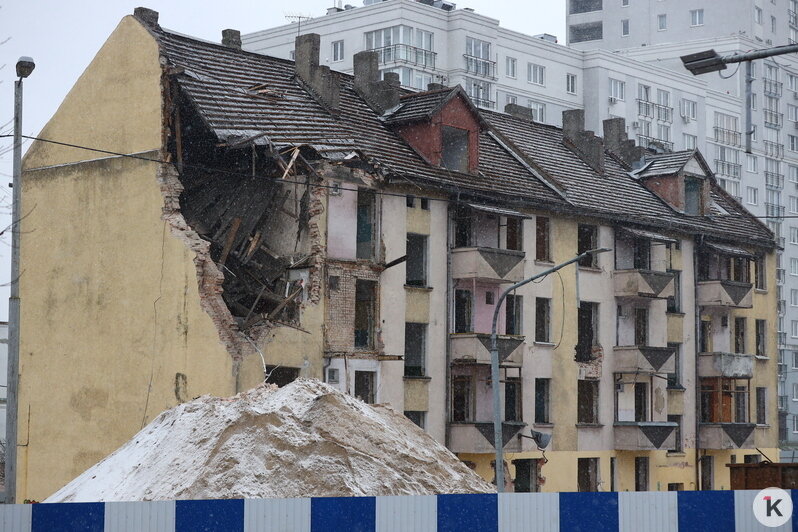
column 724, row 293
column 474, row 348
column 731, row 365
column 643, row 283
column 726, row 435
column 488, row 264
column 644, row 359
column 644, row 435
column 474, row 438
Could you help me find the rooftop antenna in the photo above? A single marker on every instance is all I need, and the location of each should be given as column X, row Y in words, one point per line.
column 296, row 17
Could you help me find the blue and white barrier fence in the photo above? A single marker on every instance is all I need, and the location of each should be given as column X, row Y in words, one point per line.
column 704, row 511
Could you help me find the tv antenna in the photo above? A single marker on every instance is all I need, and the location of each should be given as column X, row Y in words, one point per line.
column 298, row 18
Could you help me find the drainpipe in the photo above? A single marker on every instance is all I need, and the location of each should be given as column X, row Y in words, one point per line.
column 697, row 386
column 448, row 318
column 749, row 129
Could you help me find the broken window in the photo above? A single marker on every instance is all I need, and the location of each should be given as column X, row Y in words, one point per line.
column 513, row 307
column 677, row 433
column 416, row 266
column 515, row 233
column 365, row 386
column 416, row 416
column 761, row 406
column 587, row 324
column 642, row 254
column 542, row 319
column 365, row 223
column 587, row 401
column 463, row 231
column 761, row 338
column 542, row 239
column 641, row 401
column 760, row 274
column 454, row 148
column 281, row 375
column 641, row 326
column 739, row 335
column 587, row 237
column 527, row 475
column 705, row 337
column 542, row 400
column 365, row 313
column 675, row 378
column 462, row 401
column 675, row 301
column 415, row 349
column 641, row 473
column 692, row 196
column 724, row 400
column 587, row 474
column 462, row 311
column 512, row 399
column 739, row 268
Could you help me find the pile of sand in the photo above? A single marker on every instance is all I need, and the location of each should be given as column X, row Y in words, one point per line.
column 306, row 439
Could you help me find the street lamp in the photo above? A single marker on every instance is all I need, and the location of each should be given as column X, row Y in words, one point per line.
column 25, row 66
column 498, row 440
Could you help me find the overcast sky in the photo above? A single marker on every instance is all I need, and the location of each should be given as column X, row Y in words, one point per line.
column 63, row 36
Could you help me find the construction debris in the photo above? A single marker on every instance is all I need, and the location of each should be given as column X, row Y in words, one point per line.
column 306, row 439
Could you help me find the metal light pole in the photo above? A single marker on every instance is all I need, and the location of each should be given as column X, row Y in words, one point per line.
column 498, row 440
column 25, row 66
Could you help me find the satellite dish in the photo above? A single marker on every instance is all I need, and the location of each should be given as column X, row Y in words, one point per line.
column 541, row 440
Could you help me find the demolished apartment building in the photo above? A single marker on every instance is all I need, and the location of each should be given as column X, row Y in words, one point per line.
column 271, row 218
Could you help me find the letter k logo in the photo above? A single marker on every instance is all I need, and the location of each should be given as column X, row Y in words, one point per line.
column 772, row 506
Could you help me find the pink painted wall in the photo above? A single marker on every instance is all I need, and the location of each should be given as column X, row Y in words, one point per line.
column 482, row 312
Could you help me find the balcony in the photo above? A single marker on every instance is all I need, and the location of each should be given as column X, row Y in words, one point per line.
column 643, row 283
column 727, row 136
column 664, row 113
column 792, row 18
column 488, row 264
column 483, row 102
column 643, row 359
column 644, row 435
column 725, row 293
column 726, row 435
column 773, row 119
column 780, row 274
column 474, row 348
column 774, row 181
column 783, row 399
column 730, row 365
column 774, row 211
column 728, row 168
column 772, row 87
column 646, row 142
column 477, row 438
column 645, row 109
column 782, row 338
column 773, row 149
column 477, row 66
column 404, row 53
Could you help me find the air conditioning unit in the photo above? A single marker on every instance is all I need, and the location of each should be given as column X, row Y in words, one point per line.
column 613, row 99
column 686, row 119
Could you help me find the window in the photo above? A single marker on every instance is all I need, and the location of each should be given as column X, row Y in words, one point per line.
column 641, row 401
column 281, row 375
column 793, row 173
column 760, row 273
column 587, row 402
column 511, row 99
column 513, row 308
column 793, row 235
column 365, row 223
column 591, row 31
column 625, row 27
column 542, row 239
column 795, row 392
column 416, row 266
column 583, row 6
column 617, row 89
column 761, row 406
column 794, row 329
column 761, row 337
column 690, row 141
column 793, row 266
column 724, row 400
column 662, row 22
column 758, row 15
column 489, row 298
column 365, row 386
column 587, row 474
column 365, row 313
column 792, row 142
column 527, row 475
column 512, row 399
column 792, row 112
column 536, row 74
column 538, row 110
column 707, row 470
column 697, row 17
column 515, row 233
column 542, row 319
column 641, row 326
column 689, row 109
column 624, row 3
column 587, row 323
column 454, row 154
column 795, row 424
column 773, row 24
column 751, row 195
column 692, row 196
column 751, row 162
column 794, row 204
column 462, row 399
column 416, row 416
column 386, row 37
column 795, row 360
column 641, row 473
column 675, row 301
column 664, row 132
column 462, row 311
column 794, row 297
column 677, row 433
column 415, row 349
column 587, row 239
column 542, row 397
column 511, row 67
column 338, row 51
column 570, row 83
column 753, row 103
column 332, row 375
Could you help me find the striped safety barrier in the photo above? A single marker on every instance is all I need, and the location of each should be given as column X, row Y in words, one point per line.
column 703, row 511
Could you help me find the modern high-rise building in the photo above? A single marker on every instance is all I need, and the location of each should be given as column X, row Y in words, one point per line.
column 621, row 60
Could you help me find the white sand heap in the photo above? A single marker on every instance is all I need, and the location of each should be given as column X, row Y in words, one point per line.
column 306, row 439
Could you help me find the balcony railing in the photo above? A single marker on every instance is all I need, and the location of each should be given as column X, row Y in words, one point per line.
column 645, row 108
column 782, row 338
column 664, row 113
column 483, row 102
column 728, row 168
column 480, row 67
column 643, row 140
column 781, row 306
column 773, row 149
column 404, row 53
column 727, row 136
column 474, row 348
column 726, row 435
column 729, row 365
column 643, row 359
column 724, row 293
column 774, row 211
column 792, row 17
column 644, row 284
column 645, row 435
column 774, row 180
column 772, row 87
column 773, row 118
column 780, row 275
column 488, row 264
column 477, row 437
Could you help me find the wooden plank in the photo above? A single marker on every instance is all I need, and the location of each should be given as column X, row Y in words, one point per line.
column 283, row 304
column 231, row 235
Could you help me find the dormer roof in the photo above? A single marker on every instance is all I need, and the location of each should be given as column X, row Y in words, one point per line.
column 662, row 164
column 422, row 106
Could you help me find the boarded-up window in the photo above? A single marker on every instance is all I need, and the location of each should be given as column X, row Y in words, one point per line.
column 591, row 31
column 365, row 313
column 462, row 403
column 365, row 224
column 587, row 402
column 416, row 266
column 365, row 386
column 454, row 152
column 415, row 349
column 542, row 239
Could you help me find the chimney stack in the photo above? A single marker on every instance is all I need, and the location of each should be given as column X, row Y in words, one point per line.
column 231, row 38
column 379, row 95
column 148, row 17
column 436, row 86
column 616, row 141
column 588, row 146
column 520, row 111
column 320, row 81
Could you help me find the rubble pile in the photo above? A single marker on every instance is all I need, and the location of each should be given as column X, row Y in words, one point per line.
column 306, row 439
